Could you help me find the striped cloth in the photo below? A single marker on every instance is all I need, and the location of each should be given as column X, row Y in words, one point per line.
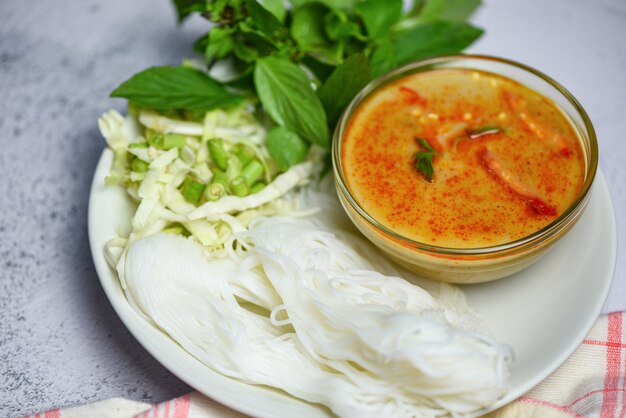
column 591, row 383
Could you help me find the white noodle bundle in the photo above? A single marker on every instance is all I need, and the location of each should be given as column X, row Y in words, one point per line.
column 307, row 312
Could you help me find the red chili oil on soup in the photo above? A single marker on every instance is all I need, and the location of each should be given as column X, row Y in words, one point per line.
column 462, row 159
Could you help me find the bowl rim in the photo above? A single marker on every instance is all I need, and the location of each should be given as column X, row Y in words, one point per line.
column 544, row 234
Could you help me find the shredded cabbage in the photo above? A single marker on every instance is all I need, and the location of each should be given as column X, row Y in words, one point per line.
column 159, row 187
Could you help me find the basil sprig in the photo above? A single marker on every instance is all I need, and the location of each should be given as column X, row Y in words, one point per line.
column 175, row 88
column 305, row 60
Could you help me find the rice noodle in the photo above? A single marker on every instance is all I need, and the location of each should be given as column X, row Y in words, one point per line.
column 321, row 316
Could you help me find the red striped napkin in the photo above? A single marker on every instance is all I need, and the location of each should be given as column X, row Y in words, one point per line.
column 591, row 383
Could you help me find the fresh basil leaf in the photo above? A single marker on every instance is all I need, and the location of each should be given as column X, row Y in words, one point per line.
column 256, row 39
column 286, row 148
column 449, row 10
column 338, row 27
column 275, row 7
column 244, row 52
column 383, row 58
column 185, row 7
column 286, row 94
column 343, row 84
column 335, row 4
column 307, row 27
column 262, row 18
column 243, row 80
column 379, row 16
column 201, row 43
column 220, row 44
column 432, row 39
column 175, row 88
column 320, row 69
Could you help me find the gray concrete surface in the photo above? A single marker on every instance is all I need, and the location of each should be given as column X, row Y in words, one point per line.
column 60, row 341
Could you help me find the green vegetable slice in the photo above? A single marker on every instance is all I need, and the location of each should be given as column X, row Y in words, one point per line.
column 218, row 153
column 239, row 187
column 192, row 190
column 218, row 186
column 252, row 172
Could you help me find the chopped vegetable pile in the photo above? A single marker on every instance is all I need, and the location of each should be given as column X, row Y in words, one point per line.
column 205, row 178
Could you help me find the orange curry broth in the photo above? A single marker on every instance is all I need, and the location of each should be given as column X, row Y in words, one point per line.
column 487, row 189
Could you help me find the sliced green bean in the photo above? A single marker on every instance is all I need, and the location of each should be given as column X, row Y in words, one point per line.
column 218, row 153
column 139, row 166
column 257, row 187
column 244, row 153
column 192, row 190
column 218, row 186
column 173, row 141
column 252, row 171
column 239, row 187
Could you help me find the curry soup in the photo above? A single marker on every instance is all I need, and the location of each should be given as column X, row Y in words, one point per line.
column 462, row 159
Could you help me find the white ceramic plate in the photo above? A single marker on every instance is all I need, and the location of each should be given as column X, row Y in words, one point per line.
column 543, row 312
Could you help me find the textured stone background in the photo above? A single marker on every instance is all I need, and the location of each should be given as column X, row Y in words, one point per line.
column 60, row 341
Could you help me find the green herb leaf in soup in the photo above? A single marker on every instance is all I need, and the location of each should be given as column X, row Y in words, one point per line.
column 175, row 88
column 287, row 96
column 379, row 16
column 424, row 164
column 424, row 143
column 343, row 84
column 286, row 148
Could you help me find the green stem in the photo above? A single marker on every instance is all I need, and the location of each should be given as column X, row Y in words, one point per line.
column 257, row 187
column 244, row 153
column 252, row 171
column 218, row 186
column 173, row 141
column 218, row 153
column 239, row 187
column 139, row 166
column 192, row 190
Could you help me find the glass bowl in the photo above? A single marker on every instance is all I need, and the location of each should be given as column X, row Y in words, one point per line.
column 472, row 265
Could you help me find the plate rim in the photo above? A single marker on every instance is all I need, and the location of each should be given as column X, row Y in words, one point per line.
column 141, row 329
